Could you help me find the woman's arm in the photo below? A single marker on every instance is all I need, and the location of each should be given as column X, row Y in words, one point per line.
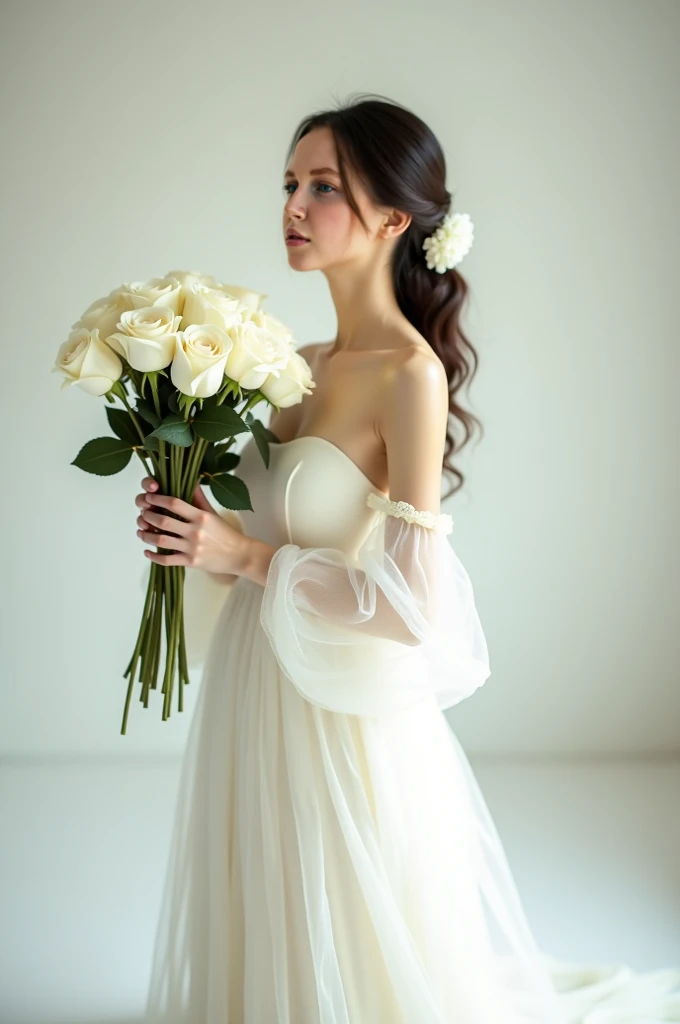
column 413, row 425
column 390, row 593
column 397, row 623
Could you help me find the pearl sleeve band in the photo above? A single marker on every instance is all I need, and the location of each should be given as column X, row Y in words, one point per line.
column 441, row 523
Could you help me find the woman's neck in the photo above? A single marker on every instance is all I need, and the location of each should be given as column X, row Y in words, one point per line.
column 365, row 306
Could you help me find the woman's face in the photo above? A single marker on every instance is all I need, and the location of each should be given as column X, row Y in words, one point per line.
column 317, row 207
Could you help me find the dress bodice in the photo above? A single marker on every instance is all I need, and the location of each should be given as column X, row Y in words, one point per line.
column 312, row 494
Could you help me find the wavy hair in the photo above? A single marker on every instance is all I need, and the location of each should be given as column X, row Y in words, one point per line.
column 400, row 162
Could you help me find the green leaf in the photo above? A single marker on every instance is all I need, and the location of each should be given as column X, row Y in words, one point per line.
column 151, row 443
column 147, row 412
column 256, row 424
column 173, row 404
column 214, row 424
column 103, row 456
column 175, row 430
column 263, row 436
column 219, row 459
column 230, row 491
column 226, row 461
column 121, row 424
column 209, row 463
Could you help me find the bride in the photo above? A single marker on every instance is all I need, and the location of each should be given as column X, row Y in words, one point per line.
column 333, row 860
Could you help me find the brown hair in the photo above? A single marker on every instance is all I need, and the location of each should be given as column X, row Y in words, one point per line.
column 400, row 162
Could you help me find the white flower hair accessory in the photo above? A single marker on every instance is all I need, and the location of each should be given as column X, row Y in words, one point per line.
column 449, row 243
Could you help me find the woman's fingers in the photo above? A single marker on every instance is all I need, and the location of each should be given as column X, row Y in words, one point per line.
column 150, row 485
column 143, row 523
column 163, row 540
column 160, row 512
column 166, row 523
column 176, row 505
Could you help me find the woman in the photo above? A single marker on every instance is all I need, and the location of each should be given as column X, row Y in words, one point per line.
column 333, row 859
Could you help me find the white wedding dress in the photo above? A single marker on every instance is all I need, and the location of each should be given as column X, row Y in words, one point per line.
column 333, row 860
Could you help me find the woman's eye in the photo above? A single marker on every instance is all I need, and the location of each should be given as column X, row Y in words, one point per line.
column 322, row 184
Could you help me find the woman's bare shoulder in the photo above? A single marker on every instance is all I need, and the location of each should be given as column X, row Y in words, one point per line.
column 408, row 351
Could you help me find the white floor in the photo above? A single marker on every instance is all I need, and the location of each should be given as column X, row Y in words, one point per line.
column 594, row 848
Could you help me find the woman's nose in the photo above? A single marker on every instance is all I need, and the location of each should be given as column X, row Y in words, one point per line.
column 294, row 208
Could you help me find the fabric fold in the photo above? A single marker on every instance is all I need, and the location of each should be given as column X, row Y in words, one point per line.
column 372, row 634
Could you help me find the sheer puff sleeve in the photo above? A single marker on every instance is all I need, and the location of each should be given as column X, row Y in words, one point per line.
column 371, row 635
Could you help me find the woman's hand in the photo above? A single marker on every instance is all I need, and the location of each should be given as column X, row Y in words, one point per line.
column 201, row 538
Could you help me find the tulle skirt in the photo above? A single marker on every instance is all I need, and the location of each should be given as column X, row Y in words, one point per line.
column 337, row 869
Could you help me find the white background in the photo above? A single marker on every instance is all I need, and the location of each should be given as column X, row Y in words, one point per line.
column 141, row 137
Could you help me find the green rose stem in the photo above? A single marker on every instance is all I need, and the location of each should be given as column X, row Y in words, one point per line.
column 119, row 390
column 151, row 648
column 192, row 472
column 183, row 666
column 179, row 574
column 148, row 639
column 183, row 464
column 167, row 586
column 141, row 646
column 178, row 473
column 168, row 679
column 164, row 583
column 197, row 451
column 153, row 380
column 168, row 625
column 173, row 583
column 256, row 397
column 132, row 667
column 155, row 637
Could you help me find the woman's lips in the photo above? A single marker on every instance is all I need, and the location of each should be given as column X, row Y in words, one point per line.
column 295, row 240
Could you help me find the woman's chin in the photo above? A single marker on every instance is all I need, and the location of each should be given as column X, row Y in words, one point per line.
column 298, row 250
column 299, row 260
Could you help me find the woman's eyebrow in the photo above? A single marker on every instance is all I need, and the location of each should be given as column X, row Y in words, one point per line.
column 317, row 170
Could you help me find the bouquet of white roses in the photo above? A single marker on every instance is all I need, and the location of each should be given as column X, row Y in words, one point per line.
column 188, row 357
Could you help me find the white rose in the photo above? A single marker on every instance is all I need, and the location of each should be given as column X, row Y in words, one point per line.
column 206, row 305
column 186, row 278
column 250, row 299
column 254, row 354
column 147, row 337
column 274, row 326
column 157, row 291
column 84, row 359
column 105, row 313
column 286, row 387
column 200, row 356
